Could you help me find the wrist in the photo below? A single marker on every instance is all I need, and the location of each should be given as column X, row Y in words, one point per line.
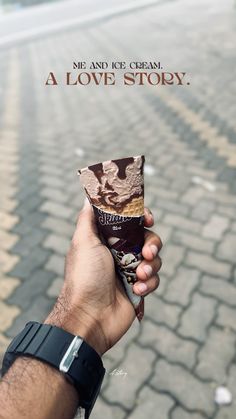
column 77, row 322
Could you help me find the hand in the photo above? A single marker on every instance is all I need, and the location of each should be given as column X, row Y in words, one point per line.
column 93, row 303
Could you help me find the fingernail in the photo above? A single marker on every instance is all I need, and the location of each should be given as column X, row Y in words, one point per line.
column 154, row 249
column 150, row 214
column 142, row 287
column 147, row 269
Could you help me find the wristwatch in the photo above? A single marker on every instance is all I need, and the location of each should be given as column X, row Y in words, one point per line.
column 70, row 354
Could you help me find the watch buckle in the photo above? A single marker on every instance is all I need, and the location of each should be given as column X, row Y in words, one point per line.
column 71, row 354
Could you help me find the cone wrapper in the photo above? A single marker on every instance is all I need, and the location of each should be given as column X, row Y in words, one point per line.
column 115, row 189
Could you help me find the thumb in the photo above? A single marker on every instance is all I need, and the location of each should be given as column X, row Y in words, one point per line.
column 86, row 228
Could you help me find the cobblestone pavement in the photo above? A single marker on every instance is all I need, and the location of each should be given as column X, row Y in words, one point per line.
column 185, row 346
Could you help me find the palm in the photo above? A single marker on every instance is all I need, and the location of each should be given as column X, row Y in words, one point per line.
column 117, row 308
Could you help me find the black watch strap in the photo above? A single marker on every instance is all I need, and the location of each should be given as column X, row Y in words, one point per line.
column 68, row 353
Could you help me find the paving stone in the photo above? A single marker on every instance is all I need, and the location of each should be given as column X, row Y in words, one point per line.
column 192, row 393
column 7, row 286
column 8, row 204
column 203, row 209
column 193, row 195
column 56, row 209
column 117, row 352
column 165, row 159
column 175, row 174
column 57, row 225
column 26, row 225
column 8, row 314
column 56, row 264
column 180, row 288
column 168, row 344
column 8, row 155
column 151, row 403
column 7, row 240
column 55, row 288
column 232, row 381
column 174, row 207
column 161, row 312
column 58, row 244
column 182, row 223
column 216, row 355
column 180, row 184
column 226, row 317
column 28, row 170
column 110, row 366
column 124, row 392
column 160, row 291
column 54, row 194
column 50, row 169
column 225, row 198
column 215, row 227
column 193, row 241
column 227, row 247
column 28, row 193
column 76, row 201
column 163, row 231
column 36, row 285
column 228, row 412
column 28, row 264
column 104, row 410
column 165, row 193
column 220, row 289
column 52, row 181
column 197, row 318
column 7, row 221
column 8, row 191
column 233, row 227
column 7, row 261
column 172, row 256
column 38, row 311
column 228, row 211
column 29, row 205
column 180, row 413
column 24, row 246
column 46, row 157
column 208, row 264
column 203, row 173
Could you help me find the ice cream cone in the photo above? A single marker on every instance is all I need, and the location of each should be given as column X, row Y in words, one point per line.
column 135, row 208
column 115, row 188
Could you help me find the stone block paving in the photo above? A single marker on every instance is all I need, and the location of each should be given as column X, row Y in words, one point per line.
column 171, row 364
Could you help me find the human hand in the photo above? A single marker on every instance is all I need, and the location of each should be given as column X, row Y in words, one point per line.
column 93, row 303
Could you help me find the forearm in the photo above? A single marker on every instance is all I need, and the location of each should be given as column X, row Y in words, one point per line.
column 32, row 389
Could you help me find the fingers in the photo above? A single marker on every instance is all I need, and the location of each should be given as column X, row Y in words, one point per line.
column 86, row 225
column 148, row 218
column 144, row 288
column 153, row 242
column 152, row 245
column 147, row 277
column 146, row 269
